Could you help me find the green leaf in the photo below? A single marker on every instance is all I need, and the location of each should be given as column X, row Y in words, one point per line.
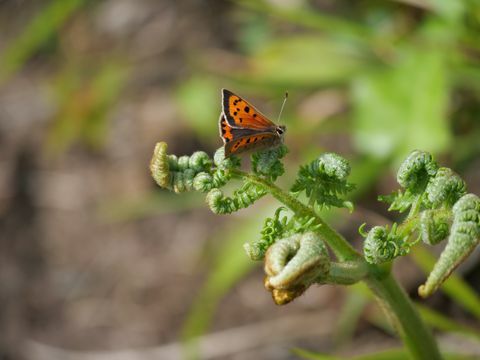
column 404, row 107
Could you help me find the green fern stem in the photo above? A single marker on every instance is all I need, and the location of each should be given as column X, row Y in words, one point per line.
column 402, row 314
column 342, row 249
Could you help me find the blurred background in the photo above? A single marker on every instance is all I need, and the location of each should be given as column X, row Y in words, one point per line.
column 97, row 262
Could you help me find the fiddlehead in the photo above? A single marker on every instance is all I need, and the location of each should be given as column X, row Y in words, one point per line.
column 292, row 264
column 430, row 192
column 464, row 237
column 445, row 188
column 177, row 174
column 324, row 181
column 383, row 244
column 267, row 163
column 242, row 198
column 434, row 226
column 413, row 176
column 159, row 165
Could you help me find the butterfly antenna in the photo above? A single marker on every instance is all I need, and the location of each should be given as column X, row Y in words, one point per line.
column 283, row 105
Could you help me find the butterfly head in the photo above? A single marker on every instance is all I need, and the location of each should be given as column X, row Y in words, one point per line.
column 280, row 130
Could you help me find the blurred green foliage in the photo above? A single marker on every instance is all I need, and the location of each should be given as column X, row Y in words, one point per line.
column 44, row 26
column 410, row 74
column 410, row 99
column 86, row 95
column 197, row 100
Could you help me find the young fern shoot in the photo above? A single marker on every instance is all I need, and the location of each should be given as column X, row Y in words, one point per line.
column 294, row 242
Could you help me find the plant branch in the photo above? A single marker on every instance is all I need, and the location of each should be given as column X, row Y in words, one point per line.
column 340, row 246
column 347, row 272
column 403, row 315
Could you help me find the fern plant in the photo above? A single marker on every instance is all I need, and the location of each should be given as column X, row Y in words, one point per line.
column 294, row 242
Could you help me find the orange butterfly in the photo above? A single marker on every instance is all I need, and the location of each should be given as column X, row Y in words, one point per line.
column 242, row 127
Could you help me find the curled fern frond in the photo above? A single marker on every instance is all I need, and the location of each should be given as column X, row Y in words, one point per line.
column 324, row 181
column 199, row 161
column 205, row 182
column 383, row 244
column 177, row 174
column 292, row 264
column 434, row 226
column 445, row 188
column 242, row 198
column 414, row 175
column 159, row 165
column 276, row 228
column 183, row 181
column 416, row 170
column 183, row 162
column 464, row 237
column 219, row 159
column 267, row 162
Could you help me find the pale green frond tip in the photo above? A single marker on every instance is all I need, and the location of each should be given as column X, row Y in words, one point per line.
column 219, row 156
column 159, row 165
column 254, row 251
column 464, row 237
column 223, row 162
column 267, row 162
column 242, row 198
column 434, row 227
column 203, row 182
column 299, row 260
column 334, row 165
column 183, row 162
column 382, row 245
column 416, row 170
column 324, row 181
column 199, row 161
column 445, row 188
column 183, row 181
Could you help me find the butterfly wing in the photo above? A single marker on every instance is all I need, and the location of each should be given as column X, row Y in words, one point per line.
column 245, row 143
column 240, row 114
column 238, row 140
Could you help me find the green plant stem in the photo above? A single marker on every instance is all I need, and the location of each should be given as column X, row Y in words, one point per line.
column 406, row 320
column 395, row 302
column 346, row 273
column 342, row 249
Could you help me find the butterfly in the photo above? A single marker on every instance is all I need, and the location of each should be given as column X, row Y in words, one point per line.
column 242, row 127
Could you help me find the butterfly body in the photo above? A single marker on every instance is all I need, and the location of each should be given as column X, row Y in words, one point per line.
column 243, row 128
